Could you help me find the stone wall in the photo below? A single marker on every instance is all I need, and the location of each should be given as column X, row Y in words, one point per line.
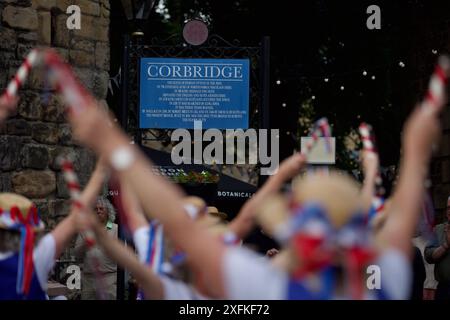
column 37, row 134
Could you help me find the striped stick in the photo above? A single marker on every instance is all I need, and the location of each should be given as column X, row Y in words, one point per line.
column 66, row 83
column 32, row 60
column 436, row 94
column 75, row 194
column 366, row 134
column 368, row 140
column 60, row 75
column 321, row 129
column 435, row 99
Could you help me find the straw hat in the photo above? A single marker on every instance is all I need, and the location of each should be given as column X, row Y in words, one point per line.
column 208, row 217
column 213, row 211
column 195, row 207
column 337, row 193
column 17, row 210
column 196, row 202
column 17, row 213
column 273, row 212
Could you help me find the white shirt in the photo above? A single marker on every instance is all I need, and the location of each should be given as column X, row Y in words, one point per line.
column 247, row 276
column 173, row 289
column 430, row 281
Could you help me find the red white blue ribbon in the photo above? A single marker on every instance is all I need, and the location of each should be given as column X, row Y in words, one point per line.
column 155, row 254
column 14, row 220
column 376, row 208
column 25, row 267
column 315, row 242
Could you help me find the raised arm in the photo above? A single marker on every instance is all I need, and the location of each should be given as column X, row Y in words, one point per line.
column 136, row 219
column 66, row 230
column 124, row 256
column 370, row 164
column 132, row 208
column 157, row 195
column 245, row 220
column 95, row 184
column 421, row 132
column 63, row 233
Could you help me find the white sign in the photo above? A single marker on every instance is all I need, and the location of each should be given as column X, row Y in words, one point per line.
column 321, row 153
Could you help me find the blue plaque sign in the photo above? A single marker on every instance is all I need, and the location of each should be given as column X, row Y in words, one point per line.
column 176, row 92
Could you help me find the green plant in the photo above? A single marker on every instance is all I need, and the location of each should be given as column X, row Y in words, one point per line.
column 193, row 177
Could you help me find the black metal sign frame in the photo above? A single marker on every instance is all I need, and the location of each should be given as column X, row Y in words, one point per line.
column 174, row 47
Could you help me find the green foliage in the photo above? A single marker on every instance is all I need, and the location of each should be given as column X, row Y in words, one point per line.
column 194, row 178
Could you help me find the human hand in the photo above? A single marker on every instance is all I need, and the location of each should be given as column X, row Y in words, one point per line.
column 422, row 131
column 89, row 126
column 291, row 166
column 85, row 220
column 95, row 129
column 272, row 253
